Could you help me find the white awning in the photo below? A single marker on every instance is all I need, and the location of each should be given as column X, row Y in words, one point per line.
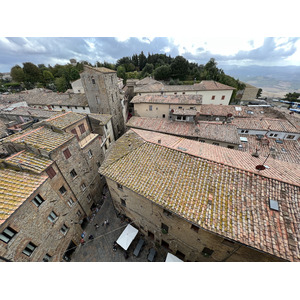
column 127, row 236
column 172, row 258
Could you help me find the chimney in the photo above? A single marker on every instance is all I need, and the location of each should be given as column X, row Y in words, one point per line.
column 159, row 141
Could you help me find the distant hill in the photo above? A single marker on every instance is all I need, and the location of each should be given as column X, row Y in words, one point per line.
column 275, row 81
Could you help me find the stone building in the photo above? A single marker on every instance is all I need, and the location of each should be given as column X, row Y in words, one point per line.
column 68, row 141
column 205, row 203
column 215, row 133
column 102, row 92
column 212, row 92
column 39, row 213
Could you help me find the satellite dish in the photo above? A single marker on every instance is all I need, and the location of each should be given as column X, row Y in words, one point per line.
column 229, row 115
column 260, row 167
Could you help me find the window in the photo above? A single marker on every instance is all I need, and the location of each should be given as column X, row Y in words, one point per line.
column 207, row 252
column 274, row 205
column 184, row 118
column 183, row 93
column 223, row 97
column 163, row 115
column 213, row 97
column 105, row 127
column 230, row 147
column 73, row 173
column 180, row 255
column 167, row 213
column 90, row 153
column 93, row 80
column 201, row 141
column 164, row 228
column 51, row 173
column 67, row 153
column 74, row 131
column 98, row 164
column 71, row 202
column 195, row 228
column 64, row 229
column 75, row 107
column 217, row 144
column 150, row 107
column 179, row 107
column 175, row 93
column 38, row 200
column 60, row 106
column 47, row 257
column 7, row 234
column 165, row 244
column 62, row 190
column 120, row 187
column 83, row 187
column 29, row 249
column 52, row 217
column 123, row 202
column 290, row 137
column 81, row 128
column 271, row 134
column 178, row 118
column 89, row 197
column 83, row 107
column 228, row 243
column 78, row 213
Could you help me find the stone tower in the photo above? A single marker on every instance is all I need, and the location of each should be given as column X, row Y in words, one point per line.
column 102, row 92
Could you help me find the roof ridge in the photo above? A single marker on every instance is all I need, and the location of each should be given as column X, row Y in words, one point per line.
column 25, row 134
column 58, row 116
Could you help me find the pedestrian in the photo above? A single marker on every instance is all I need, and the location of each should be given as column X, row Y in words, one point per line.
column 83, row 234
column 91, row 237
column 82, row 242
column 106, row 222
column 96, row 226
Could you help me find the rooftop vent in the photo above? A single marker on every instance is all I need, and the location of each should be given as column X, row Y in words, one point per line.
column 274, row 205
column 159, row 141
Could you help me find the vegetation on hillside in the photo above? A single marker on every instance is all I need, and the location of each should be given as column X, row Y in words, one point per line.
column 176, row 70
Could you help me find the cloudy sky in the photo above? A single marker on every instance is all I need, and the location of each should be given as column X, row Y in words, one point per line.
column 270, row 51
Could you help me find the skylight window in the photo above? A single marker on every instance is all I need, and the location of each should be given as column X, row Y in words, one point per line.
column 274, row 205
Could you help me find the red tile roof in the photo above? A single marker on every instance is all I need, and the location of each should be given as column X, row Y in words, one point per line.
column 205, row 130
column 226, row 200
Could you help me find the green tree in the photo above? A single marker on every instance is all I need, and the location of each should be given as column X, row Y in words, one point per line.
column 259, row 93
column 142, row 60
column 179, row 68
column 48, row 76
column 32, row 72
column 17, row 74
column 162, row 72
column 74, row 74
column 121, row 72
column 147, row 69
column 61, row 84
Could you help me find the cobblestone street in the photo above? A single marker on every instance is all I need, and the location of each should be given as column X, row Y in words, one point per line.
column 101, row 248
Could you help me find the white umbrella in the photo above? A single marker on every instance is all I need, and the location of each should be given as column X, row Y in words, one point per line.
column 172, row 258
column 127, row 236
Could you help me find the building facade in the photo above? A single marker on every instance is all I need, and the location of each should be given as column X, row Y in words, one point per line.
column 202, row 202
column 102, row 92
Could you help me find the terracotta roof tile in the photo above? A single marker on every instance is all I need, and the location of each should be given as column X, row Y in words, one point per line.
column 29, row 161
column 206, row 130
column 15, row 188
column 65, row 120
column 41, row 138
column 222, row 199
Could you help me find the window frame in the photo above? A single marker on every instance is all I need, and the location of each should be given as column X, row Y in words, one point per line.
column 62, row 190
column 36, row 200
column 67, row 153
column 5, row 234
column 30, row 250
column 64, row 229
column 82, row 128
column 51, row 218
column 50, row 172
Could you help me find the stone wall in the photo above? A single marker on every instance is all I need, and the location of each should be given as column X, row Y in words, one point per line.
column 103, row 96
column 184, row 240
column 32, row 225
